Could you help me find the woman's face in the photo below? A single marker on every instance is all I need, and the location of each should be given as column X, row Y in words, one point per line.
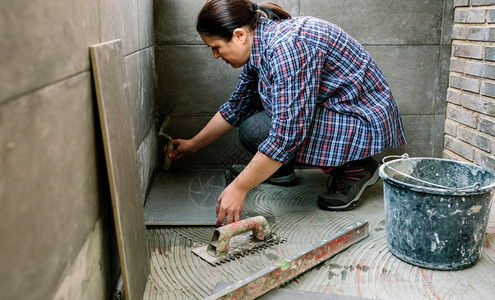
column 235, row 52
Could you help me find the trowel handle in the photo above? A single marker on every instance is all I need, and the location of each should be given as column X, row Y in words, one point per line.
column 220, row 239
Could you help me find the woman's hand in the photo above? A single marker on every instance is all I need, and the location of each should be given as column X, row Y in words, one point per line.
column 230, row 204
column 231, row 201
column 182, row 148
column 216, row 128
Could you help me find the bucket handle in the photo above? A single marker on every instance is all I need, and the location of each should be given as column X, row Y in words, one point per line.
column 473, row 187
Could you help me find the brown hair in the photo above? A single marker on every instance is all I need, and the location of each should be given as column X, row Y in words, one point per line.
column 219, row 18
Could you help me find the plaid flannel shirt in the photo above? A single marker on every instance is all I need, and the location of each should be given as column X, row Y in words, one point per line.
column 328, row 101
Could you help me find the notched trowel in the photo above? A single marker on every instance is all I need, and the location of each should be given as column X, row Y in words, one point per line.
column 235, row 239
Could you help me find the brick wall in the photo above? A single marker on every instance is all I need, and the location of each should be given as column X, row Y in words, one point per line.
column 470, row 116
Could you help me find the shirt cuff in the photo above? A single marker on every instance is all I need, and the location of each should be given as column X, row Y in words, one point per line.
column 228, row 114
column 271, row 148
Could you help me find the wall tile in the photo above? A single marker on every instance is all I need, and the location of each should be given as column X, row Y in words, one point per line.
column 111, row 20
column 190, row 76
column 382, row 22
column 412, row 73
column 419, row 133
column 91, row 267
column 140, row 86
column 147, row 160
column 447, row 22
column 128, row 20
column 52, row 194
column 130, row 39
column 146, row 32
column 44, row 42
column 443, row 80
column 420, row 137
column 175, row 20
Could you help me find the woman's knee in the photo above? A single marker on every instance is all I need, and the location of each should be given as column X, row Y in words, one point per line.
column 254, row 130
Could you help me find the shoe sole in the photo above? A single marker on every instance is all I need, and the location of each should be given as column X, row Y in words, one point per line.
column 288, row 180
column 373, row 180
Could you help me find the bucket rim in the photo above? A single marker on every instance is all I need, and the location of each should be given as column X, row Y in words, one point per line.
column 434, row 190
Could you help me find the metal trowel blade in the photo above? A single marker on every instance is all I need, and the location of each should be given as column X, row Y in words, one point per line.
column 239, row 245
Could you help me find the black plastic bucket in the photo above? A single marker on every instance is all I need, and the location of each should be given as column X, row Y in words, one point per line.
column 436, row 211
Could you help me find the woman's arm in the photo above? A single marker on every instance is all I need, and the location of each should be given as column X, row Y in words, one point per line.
column 231, row 201
column 216, row 128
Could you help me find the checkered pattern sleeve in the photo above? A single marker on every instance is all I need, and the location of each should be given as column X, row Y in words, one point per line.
column 244, row 101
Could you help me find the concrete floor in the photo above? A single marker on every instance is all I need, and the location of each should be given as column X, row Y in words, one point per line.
column 366, row 269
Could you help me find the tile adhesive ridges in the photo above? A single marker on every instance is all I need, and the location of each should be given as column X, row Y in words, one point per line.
column 366, row 269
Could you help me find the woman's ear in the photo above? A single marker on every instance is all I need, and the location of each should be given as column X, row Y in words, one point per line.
column 240, row 35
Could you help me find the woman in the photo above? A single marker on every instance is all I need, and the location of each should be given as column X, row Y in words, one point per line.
column 308, row 93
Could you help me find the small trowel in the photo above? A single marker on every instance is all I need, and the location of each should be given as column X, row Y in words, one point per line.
column 235, row 239
column 167, row 161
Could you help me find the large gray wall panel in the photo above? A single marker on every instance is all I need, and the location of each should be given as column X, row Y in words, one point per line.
column 146, row 35
column 191, row 77
column 50, row 186
column 147, row 158
column 412, row 73
column 130, row 37
column 140, row 88
column 175, row 20
column 112, row 20
column 128, row 20
column 382, row 22
column 43, row 42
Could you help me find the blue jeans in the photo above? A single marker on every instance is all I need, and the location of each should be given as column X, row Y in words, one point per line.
column 253, row 131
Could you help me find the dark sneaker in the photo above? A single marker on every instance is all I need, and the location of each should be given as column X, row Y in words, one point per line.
column 348, row 184
column 284, row 176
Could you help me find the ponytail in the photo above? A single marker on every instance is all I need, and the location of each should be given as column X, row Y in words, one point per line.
column 219, row 18
column 272, row 11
